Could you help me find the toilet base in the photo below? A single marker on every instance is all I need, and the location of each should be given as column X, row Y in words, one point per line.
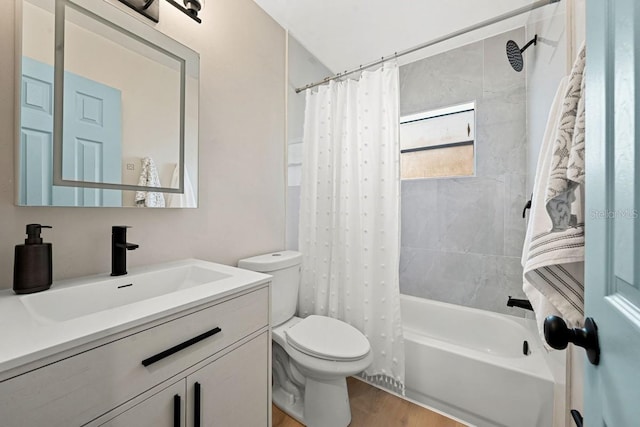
column 325, row 403
column 292, row 407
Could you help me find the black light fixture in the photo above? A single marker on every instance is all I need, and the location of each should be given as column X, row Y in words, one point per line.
column 191, row 8
column 151, row 10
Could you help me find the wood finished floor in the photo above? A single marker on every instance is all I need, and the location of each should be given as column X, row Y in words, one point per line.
column 372, row 407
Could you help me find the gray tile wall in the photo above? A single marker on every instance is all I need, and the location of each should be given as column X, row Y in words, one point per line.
column 462, row 238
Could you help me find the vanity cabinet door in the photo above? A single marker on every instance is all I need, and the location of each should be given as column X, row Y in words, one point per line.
column 234, row 390
column 164, row 409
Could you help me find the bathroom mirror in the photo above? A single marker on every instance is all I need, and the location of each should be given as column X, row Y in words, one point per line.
column 108, row 109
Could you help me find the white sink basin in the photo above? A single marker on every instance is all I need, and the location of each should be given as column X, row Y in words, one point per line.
column 79, row 311
column 81, row 297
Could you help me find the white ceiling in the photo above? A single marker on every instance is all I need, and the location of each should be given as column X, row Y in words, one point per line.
column 344, row 34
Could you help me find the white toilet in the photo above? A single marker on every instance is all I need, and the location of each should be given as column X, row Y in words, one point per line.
column 312, row 356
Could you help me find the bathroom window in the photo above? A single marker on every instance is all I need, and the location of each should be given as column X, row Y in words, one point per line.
column 438, row 143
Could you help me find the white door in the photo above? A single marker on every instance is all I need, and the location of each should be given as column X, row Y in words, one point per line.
column 612, row 282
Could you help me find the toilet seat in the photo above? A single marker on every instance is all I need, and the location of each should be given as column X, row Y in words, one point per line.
column 327, row 338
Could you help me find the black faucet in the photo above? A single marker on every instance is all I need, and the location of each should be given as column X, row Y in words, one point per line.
column 119, row 248
column 520, row 303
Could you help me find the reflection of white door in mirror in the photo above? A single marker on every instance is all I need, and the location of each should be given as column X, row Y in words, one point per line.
column 92, row 139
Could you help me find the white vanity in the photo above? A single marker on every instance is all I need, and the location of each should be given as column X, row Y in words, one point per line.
column 179, row 344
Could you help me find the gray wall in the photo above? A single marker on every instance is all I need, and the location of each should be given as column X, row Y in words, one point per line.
column 304, row 68
column 546, row 66
column 242, row 145
column 462, row 237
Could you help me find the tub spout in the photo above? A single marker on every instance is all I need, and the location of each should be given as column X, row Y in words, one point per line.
column 520, row 303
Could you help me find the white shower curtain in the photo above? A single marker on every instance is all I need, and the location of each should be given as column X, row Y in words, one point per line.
column 349, row 214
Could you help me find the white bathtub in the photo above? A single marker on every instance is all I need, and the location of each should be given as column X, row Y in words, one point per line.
column 470, row 363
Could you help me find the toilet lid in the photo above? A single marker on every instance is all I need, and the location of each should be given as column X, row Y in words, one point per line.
column 328, row 338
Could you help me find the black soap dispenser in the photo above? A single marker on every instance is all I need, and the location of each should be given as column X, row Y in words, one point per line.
column 32, row 266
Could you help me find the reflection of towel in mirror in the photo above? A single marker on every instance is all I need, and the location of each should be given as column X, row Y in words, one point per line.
column 149, row 178
column 186, row 199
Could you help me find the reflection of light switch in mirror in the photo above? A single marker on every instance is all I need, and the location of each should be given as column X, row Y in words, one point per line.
column 131, row 167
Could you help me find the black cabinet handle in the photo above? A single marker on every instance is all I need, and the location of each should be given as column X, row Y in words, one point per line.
column 176, row 411
column 181, row 346
column 197, row 405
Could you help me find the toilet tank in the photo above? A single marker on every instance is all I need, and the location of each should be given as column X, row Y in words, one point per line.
column 284, row 266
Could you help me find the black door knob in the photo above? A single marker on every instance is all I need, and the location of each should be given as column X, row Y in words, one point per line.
column 558, row 336
column 577, row 418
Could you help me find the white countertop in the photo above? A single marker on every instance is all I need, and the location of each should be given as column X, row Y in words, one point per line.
column 26, row 337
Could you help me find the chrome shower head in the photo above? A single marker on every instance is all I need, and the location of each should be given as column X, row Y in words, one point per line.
column 514, row 53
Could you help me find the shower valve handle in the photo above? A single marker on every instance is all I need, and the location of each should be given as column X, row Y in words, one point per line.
column 558, row 336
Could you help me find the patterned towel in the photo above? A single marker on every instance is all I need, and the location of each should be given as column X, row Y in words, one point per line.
column 149, row 178
column 553, row 252
column 567, row 165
